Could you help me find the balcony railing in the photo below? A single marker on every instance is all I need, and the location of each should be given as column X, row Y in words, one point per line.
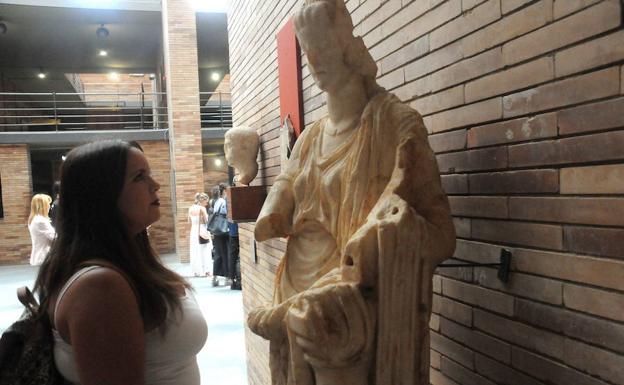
column 102, row 111
column 215, row 109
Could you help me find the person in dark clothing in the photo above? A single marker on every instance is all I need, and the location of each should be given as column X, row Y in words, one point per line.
column 220, row 256
column 54, row 208
column 234, row 258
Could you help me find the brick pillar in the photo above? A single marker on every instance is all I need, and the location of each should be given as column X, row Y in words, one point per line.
column 16, row 194
column 181, row 69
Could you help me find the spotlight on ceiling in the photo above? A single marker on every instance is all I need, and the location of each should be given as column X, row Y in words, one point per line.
column 113, row 76
column 218, row 162
column 3, row 28
column 215, row 76
column 102, row 32
column 102, row 53
column 41, row 74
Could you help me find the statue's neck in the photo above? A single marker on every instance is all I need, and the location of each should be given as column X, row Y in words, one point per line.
column 346, row 104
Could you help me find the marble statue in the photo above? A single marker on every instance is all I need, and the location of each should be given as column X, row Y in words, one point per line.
column 241, row 150
column 366, row 220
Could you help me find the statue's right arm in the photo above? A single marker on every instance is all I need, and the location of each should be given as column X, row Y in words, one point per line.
column 276, row 217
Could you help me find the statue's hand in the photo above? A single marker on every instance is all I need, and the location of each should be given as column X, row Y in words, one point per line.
column 333, row 326
column 360, row 259
column 268, row 322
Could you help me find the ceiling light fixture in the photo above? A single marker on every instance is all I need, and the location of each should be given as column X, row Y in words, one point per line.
column 102, row 53
column 217, row 162
column 102, row 32
column 113, row 76
column 215, row 76
column 41, row 74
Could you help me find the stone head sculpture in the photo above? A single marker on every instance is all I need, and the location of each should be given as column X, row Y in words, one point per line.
column 241, row 150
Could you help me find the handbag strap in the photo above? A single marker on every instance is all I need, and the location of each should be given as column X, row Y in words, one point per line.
column 26, row 297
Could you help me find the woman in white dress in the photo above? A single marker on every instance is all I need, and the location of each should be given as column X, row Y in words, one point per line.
column 41, row 231
column 200, row 253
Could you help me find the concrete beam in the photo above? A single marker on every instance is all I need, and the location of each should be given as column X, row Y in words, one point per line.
column 76, row 137
column 123, row 5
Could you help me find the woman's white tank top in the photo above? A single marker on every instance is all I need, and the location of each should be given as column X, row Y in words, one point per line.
column 170, row 359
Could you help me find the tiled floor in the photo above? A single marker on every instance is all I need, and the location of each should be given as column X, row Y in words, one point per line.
column 221, row 361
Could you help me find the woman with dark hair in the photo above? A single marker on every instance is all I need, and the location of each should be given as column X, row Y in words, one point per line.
column 118, row 315
column 220, row 241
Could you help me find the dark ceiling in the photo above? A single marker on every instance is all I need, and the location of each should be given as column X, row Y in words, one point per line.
column 64, row 40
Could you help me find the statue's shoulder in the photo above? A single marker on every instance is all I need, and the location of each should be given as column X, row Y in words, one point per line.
column 304, row 140
column 401, row 117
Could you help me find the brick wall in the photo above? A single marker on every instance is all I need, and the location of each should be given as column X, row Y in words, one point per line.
column 523, row 100
column 161, row 232
column 118, row 87
column 15, row 243
column 15, row 176
column 213, row 173
column 8, row 85
column 180, row 51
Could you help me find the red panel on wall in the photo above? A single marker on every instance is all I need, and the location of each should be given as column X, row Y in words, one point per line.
column 289, row 67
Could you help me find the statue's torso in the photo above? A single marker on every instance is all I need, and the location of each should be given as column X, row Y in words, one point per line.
column 320, row 188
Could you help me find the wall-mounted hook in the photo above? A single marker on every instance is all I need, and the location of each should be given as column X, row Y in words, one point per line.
column 503, row 266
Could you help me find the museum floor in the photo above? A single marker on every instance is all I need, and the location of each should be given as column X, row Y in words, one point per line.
column 221, row 361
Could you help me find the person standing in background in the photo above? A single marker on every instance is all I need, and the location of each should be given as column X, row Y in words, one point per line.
column 199, row 238
column 41, row 231
column 220, row 241
column 56, row 187
column 234, row 258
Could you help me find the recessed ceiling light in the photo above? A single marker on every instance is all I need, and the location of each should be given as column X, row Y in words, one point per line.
column 215, row 76
column 41, row 75
column 113, row 76
column 217, row 162
column 103, row 53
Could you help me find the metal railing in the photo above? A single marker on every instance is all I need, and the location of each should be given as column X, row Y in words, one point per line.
column 215, row 109
column 53, row 111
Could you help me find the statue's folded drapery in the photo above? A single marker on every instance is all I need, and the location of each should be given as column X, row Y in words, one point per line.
column 371, row 214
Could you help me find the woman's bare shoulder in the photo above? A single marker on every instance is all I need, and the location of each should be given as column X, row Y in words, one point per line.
column 95, row 296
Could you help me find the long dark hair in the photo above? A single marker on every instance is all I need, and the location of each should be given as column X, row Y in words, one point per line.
column 91, row 226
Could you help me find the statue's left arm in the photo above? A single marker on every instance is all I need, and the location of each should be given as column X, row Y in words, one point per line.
column 413, row 202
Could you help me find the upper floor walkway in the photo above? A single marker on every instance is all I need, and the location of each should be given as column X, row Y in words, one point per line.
column 56, row 117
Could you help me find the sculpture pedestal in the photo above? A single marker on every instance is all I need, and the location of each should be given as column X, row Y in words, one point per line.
column 245, row 202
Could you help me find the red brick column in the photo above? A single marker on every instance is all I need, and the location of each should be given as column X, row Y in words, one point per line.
column 157, row 152
column 16, row 194
column 180, row 51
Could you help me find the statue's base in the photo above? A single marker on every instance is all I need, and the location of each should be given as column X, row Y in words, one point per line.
column 245, row 202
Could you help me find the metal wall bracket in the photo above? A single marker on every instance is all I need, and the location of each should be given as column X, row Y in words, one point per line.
column 503, row 266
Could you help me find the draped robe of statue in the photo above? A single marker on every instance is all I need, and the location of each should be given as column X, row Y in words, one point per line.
column 380, row 187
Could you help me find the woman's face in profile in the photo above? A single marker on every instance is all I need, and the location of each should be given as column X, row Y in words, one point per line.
column 138, row 201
